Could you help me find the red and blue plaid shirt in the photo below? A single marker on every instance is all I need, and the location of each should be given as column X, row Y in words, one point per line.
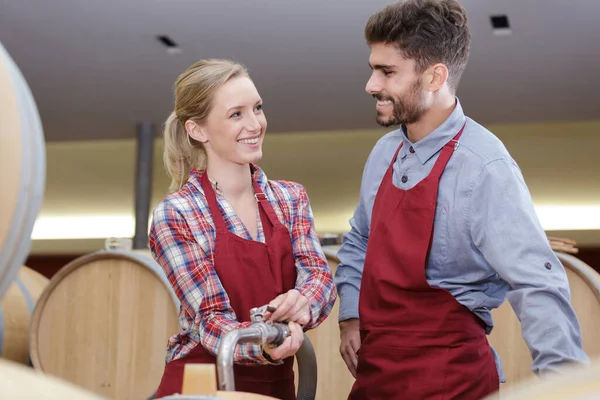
column 182, row 241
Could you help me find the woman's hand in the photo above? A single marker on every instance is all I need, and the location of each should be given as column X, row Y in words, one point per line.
column 290, row 345
column 290, row 306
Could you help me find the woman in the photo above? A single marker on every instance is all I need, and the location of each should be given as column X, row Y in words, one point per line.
column 228, row 238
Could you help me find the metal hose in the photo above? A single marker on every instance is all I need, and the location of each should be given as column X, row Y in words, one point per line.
column 307, row 371
column 264, row 333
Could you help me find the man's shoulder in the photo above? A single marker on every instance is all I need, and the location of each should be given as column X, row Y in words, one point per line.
column 482, row 145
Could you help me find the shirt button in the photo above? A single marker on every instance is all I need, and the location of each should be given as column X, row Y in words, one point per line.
column 548, row 265
column 411, row 149
column 404, row 179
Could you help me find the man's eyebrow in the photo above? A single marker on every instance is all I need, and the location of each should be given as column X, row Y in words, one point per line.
column 381, row 66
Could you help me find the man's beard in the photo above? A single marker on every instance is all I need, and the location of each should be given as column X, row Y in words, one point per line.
column 406, row 110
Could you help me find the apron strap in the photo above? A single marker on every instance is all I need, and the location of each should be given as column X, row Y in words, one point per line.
column 265, row 205
column 447, row 151
column 396, row 154
column 266, row 213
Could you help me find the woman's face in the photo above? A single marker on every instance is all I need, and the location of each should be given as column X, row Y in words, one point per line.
column 236, row 124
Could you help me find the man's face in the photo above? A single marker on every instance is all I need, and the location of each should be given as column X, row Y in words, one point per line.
column 396, row 86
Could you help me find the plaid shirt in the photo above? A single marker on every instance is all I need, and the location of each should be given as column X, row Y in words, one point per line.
column 182, row 241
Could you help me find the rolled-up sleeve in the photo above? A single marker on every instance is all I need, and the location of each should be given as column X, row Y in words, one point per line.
column 314, row 279
column 505, row 229
column 196, row 284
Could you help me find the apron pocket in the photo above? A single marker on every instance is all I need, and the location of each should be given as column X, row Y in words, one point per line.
column 407, row 373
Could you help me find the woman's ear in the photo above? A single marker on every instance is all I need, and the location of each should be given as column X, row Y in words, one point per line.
column 196, row 132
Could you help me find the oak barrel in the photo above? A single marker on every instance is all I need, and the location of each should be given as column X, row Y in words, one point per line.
column 103, row 324
column 20, row 382
column 507, row 339
column 16, row 309
column 22, row 169
column 574, row 383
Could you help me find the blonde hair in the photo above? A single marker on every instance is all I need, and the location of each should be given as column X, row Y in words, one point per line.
column 194, row 93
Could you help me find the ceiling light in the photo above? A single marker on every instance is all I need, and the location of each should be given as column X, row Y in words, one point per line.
column 567, row 218
column 172, row 47
column 83, row 227
column 500, row 25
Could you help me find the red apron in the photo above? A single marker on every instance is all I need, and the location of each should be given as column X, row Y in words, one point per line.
column 253, row 273
column 418, row 342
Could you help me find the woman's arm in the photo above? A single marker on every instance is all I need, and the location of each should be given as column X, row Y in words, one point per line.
column 314, row 278
column 195, row 282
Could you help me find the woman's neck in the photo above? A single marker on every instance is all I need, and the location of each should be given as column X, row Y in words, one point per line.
column 233, row 179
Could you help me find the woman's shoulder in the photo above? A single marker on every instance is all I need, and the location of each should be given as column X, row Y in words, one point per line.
column 283, row 190
column 182, row 201
column 291, row 189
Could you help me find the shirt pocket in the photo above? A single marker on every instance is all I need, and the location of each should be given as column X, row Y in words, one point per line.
column 439, row 245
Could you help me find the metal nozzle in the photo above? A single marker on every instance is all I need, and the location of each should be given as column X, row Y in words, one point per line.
column 260, row 332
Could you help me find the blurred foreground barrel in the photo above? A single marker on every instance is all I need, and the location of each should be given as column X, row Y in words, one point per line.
column 103, row 324
column 574, row 383
column 20, row 382
column 507, row 339
column 220, row 395
column 16, row 309
column 334, row 380
column 22, row 169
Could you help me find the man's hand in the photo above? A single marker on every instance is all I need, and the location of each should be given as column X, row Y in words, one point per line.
column 290, row 306
column 350, row 336
column 290, row 345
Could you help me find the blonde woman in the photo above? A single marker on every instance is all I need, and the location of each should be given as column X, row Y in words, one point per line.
column 228, row 238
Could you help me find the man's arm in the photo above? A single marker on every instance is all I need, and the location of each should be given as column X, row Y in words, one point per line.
column 505, row 228
column 348, row 278
column 352, row 258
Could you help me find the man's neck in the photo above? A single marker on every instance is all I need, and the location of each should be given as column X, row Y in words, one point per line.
column 234, row 180
column 431, row 120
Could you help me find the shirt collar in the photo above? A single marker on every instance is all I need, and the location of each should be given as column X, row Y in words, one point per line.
column 432, row 143
column 257, row 173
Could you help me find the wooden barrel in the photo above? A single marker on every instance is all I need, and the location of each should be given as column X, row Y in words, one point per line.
column 507, row 339
column 20, row 382
column 574, row 383
column 22, row 169
column 334, row 381
column 103, row 324
column 16, row 309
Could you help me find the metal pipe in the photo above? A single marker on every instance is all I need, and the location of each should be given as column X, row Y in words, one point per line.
column 143, row 183
column 267, row 334
column 259, row 332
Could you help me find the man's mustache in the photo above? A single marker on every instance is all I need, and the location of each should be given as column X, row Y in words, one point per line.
column 383, row 98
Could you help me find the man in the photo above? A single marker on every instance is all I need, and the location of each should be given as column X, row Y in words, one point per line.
column 444, row 231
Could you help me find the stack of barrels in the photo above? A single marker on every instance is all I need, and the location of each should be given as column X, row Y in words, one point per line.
column 22, row 175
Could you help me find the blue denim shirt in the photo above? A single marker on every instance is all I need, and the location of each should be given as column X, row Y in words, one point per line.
column 488, row 244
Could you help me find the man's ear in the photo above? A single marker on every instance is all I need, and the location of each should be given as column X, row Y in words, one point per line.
column 436, row 77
